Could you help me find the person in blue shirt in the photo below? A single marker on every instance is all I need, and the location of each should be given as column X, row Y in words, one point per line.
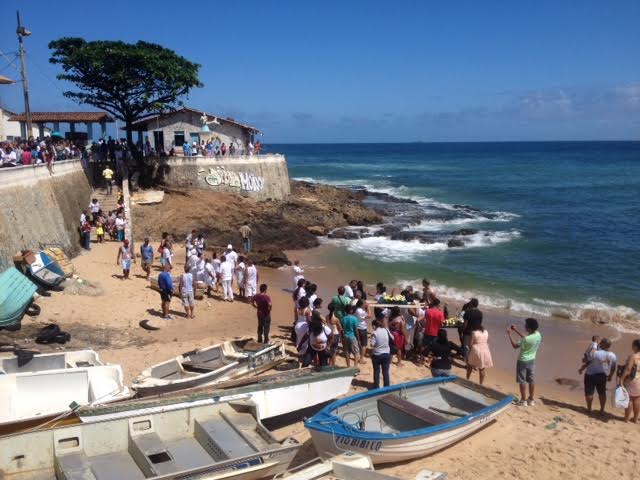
column 165, row 284
column 146, row 254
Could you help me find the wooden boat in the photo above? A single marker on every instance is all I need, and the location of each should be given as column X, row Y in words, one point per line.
column 57, row 254
column 16, row 294
column 273, row 395
column 201, row 287
column 208, row 443
column 405, row 421
column 48, row 384
column 44, row 270
column 209, row 365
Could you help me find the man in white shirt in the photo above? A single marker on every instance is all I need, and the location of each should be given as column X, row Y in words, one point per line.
column 226, row 276
column 251, row 279
column 167, row 256
column 348, row 289
column 231, row 255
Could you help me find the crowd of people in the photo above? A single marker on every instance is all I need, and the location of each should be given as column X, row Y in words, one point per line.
column 110, row 223
column 214, row 147
column 35, row 151
column 416, row 326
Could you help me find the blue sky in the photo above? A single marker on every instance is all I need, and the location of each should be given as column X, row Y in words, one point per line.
column 370, row 71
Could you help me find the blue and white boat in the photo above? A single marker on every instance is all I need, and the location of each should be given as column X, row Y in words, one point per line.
column 405, row 421
column 46, row 271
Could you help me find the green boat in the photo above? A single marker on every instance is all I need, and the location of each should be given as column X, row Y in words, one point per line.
column 16, row 294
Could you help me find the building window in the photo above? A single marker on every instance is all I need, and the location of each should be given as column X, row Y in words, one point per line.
column 178, row 138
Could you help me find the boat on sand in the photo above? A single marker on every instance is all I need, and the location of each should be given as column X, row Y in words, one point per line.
column 225, row 441
column 206, row 366
column 274, row 395
column 405, row 421
column 48, row 384
column 16, row 294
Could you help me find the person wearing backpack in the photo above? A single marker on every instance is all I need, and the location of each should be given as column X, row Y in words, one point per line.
column 380, row 353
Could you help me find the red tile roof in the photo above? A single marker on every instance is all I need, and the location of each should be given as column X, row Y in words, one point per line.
column 38, row 117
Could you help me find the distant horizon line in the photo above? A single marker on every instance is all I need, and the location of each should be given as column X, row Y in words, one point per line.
column 452, row 141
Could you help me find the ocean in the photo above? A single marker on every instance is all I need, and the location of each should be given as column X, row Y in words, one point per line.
column 547, row 228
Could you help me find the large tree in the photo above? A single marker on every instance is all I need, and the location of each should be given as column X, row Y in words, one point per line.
column 128, row 80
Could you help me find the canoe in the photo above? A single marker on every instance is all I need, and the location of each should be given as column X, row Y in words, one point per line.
column 208, row 366
column 48, row 384
column 16, row 294
column 225, row 441
column 45, row 270
column 405, row 421
column 57, row 254
column 273, row 395
column 201, row 287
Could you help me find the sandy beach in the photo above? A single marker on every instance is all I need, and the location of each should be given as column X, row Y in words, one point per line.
column 554, row 439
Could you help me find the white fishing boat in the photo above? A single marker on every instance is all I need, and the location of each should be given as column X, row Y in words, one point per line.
column 210, row 365
column 225, row 441
column 405, row 421
column 44, row 385
column 273, row 395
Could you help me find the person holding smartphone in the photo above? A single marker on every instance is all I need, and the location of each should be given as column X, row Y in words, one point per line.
column 526, row 364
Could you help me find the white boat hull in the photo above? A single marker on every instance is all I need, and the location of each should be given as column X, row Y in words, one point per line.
column 269, row 402
column 401, row 449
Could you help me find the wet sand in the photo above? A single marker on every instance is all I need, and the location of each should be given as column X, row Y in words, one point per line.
column 554, row 439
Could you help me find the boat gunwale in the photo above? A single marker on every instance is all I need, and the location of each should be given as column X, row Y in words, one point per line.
column 212, row 392
column 326, row 422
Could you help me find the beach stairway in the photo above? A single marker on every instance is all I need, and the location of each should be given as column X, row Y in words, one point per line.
column 107, row 203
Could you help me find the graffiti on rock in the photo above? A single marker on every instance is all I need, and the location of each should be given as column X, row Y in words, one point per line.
column 217, row 176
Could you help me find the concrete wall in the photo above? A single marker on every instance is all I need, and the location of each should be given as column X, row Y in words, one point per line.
column 261, row 177
column 36, row 207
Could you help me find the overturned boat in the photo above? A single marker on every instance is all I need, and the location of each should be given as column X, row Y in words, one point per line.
column 405, row 421
column 44, row 269
column 207, row 366
column 225, row 441
column 273, row 395
column 41, row 386
column 16, row 295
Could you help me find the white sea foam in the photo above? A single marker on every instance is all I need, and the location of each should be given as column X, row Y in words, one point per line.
column 623, row 318
column 386, row 250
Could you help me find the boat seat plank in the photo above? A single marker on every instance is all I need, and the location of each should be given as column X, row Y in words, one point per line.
column 245, row 424
column 200, row 367
column 221, row 440
column 406, row 415
column 461, row 401
column 152, row 455
column 75, row 466
column 115, row 466
column 188, row 453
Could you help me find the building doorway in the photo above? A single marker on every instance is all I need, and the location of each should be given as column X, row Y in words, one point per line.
column 158, row 140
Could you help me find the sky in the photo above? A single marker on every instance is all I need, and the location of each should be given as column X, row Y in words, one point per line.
column 369, row 71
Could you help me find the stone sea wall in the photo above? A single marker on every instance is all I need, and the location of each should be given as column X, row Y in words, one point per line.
column 260, row 177
column 41, row 208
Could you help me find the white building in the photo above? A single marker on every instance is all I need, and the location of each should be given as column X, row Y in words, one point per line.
column 10, row 129
column 170, row 130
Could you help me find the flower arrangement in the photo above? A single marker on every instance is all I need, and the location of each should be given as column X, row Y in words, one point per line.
column 394, row 299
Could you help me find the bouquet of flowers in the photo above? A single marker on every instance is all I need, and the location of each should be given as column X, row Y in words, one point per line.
column 394, row 300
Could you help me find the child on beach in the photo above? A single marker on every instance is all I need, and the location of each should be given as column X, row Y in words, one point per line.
column 99, row 230
column 586, row 356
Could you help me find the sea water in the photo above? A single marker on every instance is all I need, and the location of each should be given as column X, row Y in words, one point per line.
column 551, row 227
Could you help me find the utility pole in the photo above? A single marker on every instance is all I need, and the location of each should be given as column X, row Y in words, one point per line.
column 23, row 32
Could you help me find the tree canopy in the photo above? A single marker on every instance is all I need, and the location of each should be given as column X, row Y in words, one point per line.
column 128, row 80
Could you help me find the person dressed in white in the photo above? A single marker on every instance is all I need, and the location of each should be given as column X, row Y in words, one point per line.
column 186, row 288
column 348, row 289
column 231, row 255
column 251, row 279
column 216, row 270
column 201, row 275
column 298, row 273
column 209, row 275
column 167, row 256
column 240, row 273
column 226, row 276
